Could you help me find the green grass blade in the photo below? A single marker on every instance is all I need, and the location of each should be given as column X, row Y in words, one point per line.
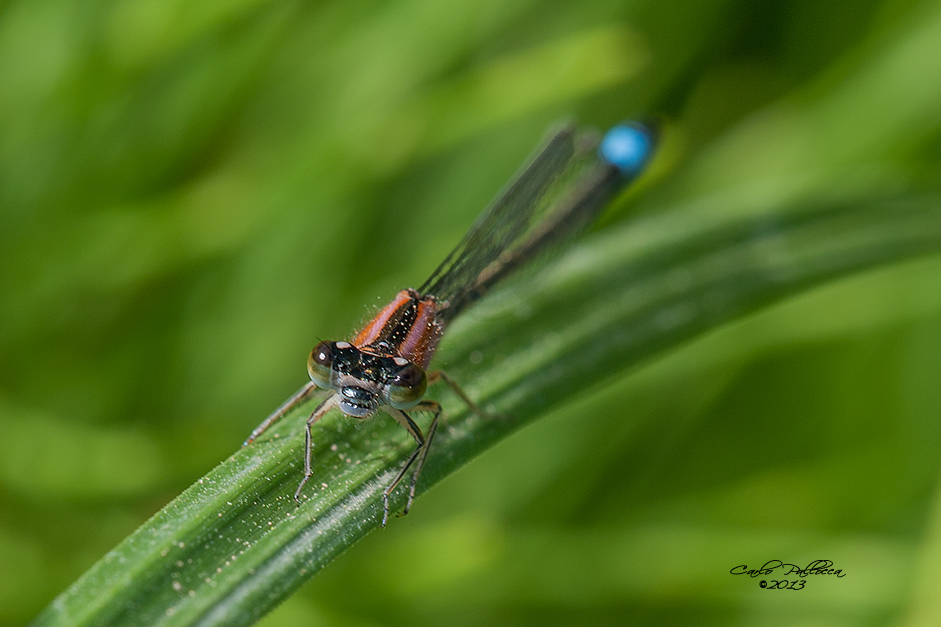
column 235, row 544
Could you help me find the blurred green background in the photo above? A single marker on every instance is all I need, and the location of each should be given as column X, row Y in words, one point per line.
column 193, row 193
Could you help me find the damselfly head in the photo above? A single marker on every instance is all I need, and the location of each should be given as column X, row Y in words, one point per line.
column 365, row 380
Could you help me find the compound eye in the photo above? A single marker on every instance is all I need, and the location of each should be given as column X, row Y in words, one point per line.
column 407, row 387
column 320, row 365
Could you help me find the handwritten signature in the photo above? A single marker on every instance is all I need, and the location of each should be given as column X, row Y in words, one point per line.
column 816, row 567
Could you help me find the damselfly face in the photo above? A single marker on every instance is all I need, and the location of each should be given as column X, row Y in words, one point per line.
column 364, row 381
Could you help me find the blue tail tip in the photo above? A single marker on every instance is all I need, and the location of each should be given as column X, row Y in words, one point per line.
column 629, row 147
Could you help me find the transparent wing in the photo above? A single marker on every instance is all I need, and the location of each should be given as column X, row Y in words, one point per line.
column 504, row 221
column 559, row 193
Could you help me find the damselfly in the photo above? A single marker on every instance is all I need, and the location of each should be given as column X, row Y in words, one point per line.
column 558, row 193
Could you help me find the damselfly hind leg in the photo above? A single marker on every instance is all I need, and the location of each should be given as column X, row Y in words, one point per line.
column 471, row 405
